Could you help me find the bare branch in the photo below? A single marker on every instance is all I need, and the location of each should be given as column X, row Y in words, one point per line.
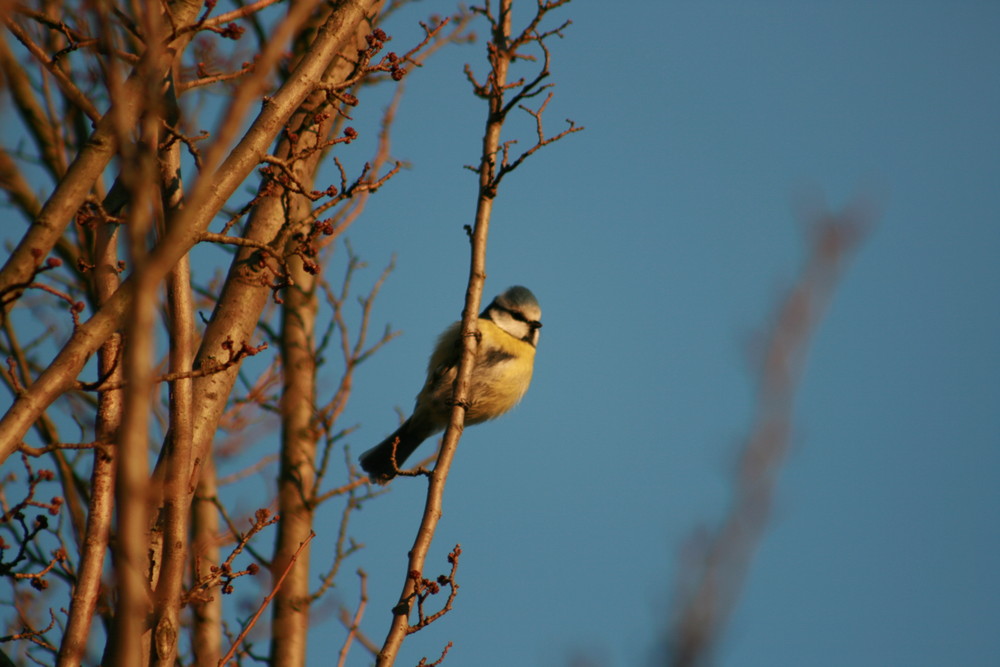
column 207, row 197
column 68, row 88
column 424, row 588
column 353, row 628
column 267, row 600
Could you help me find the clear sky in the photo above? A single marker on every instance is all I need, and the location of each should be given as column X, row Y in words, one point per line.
column 658, row 242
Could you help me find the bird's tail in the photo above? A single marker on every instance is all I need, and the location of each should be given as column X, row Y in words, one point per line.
column 378, row 461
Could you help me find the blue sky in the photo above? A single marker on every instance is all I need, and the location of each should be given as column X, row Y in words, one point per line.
column 659, row 242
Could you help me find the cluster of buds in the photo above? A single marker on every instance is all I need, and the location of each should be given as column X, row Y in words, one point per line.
column 28, row 533
column 245, row 349
column 396, row 71
column 391, row 63
column 227, row 575
column 331, row 191
column 306, row 247
column 231, row 31
column 376, row 40
column 426, row 586
column 324, row 227
column 223, row 574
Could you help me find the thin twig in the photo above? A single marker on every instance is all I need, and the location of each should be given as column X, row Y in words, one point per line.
column 355, row 625
column 266, row 601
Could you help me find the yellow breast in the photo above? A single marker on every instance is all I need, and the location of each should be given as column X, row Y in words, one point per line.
column 502, row 374
column 499, row 379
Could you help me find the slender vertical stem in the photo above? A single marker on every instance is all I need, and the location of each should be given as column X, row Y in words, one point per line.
column 298, row 468
column 206, row 641
column 299, row 433
column 177, row 482
column 500, row 59
column 132, row 484
column 109, row 410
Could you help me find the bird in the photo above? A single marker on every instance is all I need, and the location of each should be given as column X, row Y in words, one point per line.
column 505, row 357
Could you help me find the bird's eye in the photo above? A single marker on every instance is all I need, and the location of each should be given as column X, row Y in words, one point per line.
column 516, row 314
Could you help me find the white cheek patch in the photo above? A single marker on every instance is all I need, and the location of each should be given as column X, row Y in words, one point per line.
column 515, row 328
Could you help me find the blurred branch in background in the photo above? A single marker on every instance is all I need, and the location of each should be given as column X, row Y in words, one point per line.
column 714, row 567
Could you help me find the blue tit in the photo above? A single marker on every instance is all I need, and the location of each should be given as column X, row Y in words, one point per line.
column 505, row 357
